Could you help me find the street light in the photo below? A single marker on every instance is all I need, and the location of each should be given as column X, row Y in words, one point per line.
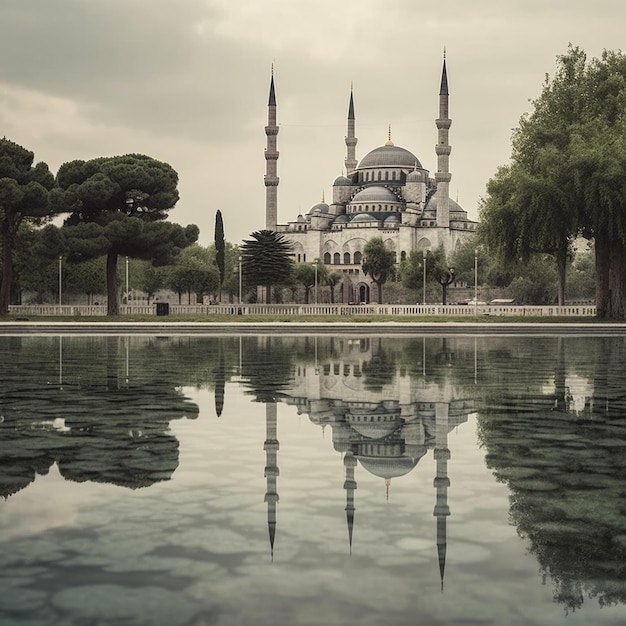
column 240, row 280
column 475, row 281
column 127, row 292
column 424, row 266
column 60, row 280
column 315, row 266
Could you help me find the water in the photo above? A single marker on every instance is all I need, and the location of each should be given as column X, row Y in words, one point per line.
column 308, row 481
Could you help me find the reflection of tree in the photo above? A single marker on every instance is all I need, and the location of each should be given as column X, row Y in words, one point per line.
column 74, row 403
column 566, row 470
column 380, row 370
column 268, row 365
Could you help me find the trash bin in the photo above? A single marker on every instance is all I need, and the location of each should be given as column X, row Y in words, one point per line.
column 162, row 308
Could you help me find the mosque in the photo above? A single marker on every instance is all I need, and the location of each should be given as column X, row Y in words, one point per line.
column 387, row 194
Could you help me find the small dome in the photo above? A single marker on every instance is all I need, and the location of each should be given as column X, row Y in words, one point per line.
column 321, row 207
column 453, row 206
column 342, row 181
column 414, row 177
column 374, row 194
column 389, row 156
column 363, row 217
column 341, row 219
column 388, row 467
column 393, row 219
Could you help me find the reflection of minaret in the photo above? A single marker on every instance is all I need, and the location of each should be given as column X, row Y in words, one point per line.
column 271, row 469
column 349, row 462
column 442, row 482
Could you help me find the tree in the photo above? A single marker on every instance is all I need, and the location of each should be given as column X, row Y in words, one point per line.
column 267, row 260
column 117, row 206
column 378, row 263
column 194, row 271
column 151, row 279
column 220, row 250
column 441, row 270
column 568, row 175
column 332, row 280
column 24, row 196
column 304, row 273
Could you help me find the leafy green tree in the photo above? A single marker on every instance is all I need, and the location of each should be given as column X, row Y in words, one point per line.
column 117, row 206
column 304, row 273
column 220, row 249
column 442, row 271
column 378, row 263
column 194, row 271
column 568, row 175
column 267, row 260
column 332, row 280
column 152, row 279
column 24, row 196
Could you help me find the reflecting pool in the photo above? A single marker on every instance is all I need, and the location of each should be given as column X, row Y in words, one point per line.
column 267, row 480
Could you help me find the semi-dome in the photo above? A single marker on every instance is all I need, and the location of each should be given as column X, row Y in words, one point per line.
column 453, row 206
column 390, row 156
column 321, row 207
column 387, row 467
column 374, row 194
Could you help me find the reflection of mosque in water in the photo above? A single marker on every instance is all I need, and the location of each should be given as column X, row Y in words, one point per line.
column 384, row 424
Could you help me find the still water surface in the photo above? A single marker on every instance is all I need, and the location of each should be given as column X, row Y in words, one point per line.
column 312, row 481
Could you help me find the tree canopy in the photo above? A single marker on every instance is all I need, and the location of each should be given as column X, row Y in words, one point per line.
column 117, row 206
column 24, row 196
column 567, row 176
column 378, row 263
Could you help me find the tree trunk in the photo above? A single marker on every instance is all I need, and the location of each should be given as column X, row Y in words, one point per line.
column 113, row 307
column 561, row 266
column 603, row 264
column 380, row 292
column 7, row 269
column 617, row 281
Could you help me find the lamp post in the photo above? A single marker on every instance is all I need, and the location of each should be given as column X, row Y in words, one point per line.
column 60, row 281
column 127, row 292
column 446, row 280
column 315, row 291
column 424, row 267
column 475, row 281
column 240, row 281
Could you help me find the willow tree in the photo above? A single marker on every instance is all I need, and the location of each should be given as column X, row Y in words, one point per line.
column 567, row 175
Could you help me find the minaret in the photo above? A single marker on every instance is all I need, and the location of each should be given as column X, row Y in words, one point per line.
column 349, row 485
column 271, row 158
column 441, row 482
column 351, row 140
column 271, row 470
column 443, row 149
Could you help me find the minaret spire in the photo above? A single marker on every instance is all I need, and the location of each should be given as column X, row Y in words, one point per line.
column 271, row 158
column 271, row 470
column 351, row 139
column 443, row 149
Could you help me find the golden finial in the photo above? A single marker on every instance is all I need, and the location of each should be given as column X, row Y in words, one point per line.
column 323, row 201
column 444, row 53
column 389, row 142
column 387, row 485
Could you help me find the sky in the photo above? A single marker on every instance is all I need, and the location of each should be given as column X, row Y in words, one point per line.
column 187, row 82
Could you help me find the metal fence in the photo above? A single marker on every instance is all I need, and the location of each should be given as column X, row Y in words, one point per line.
column 338, row 310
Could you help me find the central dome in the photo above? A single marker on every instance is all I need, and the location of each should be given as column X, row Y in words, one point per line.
column 390, row 156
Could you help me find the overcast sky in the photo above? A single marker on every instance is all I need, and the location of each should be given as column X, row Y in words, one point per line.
column 186, row 82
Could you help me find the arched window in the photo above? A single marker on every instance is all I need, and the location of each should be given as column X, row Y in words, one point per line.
column 336, row 258
column 326, row 258
column 386, row 175
column 403, row 255
column 393, row 176
column 380, row 175
column 346, row 258
column 357, row 258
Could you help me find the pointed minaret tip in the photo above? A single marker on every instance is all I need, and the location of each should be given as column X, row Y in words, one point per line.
column 389, row 142
column 444, row 77
column 272, row 100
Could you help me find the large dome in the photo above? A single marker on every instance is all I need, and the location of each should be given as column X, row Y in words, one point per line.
column 390, row 156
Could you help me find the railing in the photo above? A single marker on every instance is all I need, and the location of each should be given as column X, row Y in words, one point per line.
column 399, row 310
